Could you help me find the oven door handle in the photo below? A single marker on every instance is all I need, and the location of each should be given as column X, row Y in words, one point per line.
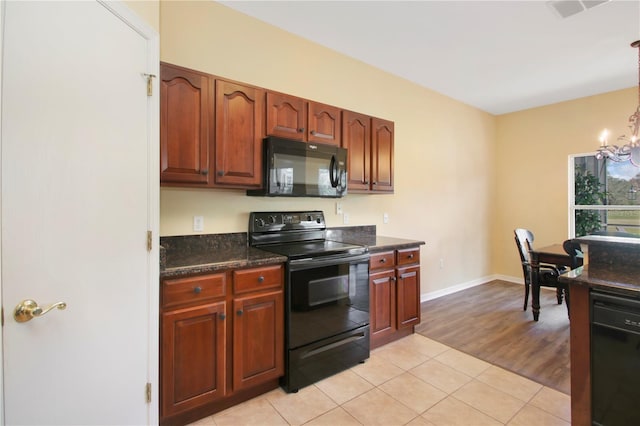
column 318, row 262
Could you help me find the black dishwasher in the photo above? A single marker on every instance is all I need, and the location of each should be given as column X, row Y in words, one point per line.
column 615, row 360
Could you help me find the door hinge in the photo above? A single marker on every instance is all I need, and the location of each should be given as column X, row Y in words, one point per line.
column 150, row 78
column 149, row 240
column 148, row 392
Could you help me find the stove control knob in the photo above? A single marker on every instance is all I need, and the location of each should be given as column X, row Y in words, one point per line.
column 260, row 222
column 272, row 219
column 318, row 219
column 309, row 218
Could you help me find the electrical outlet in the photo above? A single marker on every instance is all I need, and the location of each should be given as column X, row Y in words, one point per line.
column 441, row 263
column 338, row 207
column 198, row 224
column 385, row 218
column 345, row 218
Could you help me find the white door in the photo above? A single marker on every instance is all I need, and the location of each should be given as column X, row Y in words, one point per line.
column 79, row 192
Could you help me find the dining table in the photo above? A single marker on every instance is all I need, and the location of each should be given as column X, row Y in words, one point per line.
column 551, row 255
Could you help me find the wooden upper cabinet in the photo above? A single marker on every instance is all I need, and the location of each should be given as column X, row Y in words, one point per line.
column 382, row 155
column 239, row 134
column 356, row 138
column 286, row 116
column 324, row 124
column 299, row 119
column 185, row 117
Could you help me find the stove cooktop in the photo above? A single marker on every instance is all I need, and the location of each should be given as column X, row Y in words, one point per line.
column 295, row 250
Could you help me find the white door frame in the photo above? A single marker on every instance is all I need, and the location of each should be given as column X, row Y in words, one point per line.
column 125, row 14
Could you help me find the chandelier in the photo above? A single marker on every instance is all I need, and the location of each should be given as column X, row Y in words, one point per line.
column 630, row 148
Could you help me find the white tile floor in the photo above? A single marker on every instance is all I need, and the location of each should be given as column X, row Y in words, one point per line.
column 414, row 381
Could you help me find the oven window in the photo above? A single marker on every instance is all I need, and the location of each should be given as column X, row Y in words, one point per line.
column 327, row 290
column 326, row 301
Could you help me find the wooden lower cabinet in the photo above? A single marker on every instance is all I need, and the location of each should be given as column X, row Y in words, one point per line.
column 258, row 341
column 193, row 352
column 221, row 340
column 394, row 292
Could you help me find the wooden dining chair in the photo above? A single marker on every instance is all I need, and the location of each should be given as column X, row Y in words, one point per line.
column 548, row 275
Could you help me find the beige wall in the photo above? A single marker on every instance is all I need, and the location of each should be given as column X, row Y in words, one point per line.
column 532, row 167
column 444, row 152
column 149, row 10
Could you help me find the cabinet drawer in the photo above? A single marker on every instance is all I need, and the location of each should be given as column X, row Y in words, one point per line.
column 409, row 256
column 257, row 279
column 193, row 289
column 383, row 260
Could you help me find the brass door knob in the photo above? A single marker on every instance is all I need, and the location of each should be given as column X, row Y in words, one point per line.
column 28, row 309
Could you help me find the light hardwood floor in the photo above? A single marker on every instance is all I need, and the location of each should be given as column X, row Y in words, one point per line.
column 488, row 322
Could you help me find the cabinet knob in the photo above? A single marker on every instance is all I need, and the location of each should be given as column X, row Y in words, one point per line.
column 374, row 183
column 383, row 260
column 222, row 316
column 220, row 172
column 240, row 312
column 394, row 279
column 313, row 132
column 205, row 172
column 410, row 256
column 301, row 129
column 197, row 290
column 260, row 279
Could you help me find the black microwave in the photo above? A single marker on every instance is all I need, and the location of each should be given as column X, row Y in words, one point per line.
column 300, row 169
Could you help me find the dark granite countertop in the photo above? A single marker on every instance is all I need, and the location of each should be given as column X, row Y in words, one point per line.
column 201, row 254
column 366, row 236
column 625, row 282
column 613, row 265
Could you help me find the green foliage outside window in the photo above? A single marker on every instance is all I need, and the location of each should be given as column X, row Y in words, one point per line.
column 587, row 192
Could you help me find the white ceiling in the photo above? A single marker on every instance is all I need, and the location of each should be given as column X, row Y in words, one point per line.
column 498, row 56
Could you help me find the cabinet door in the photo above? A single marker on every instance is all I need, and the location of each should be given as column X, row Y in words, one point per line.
column 324, row 124
column 286, row 116
column 185, row 117
column 408, row 296
column 239, row 134
column 258, row 339
column 193, row 357
column 382, row 296
column 382, row 155
column 356, row 138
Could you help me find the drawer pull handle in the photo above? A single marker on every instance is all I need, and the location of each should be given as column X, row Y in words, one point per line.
column 223, row 316
column 240, row 312
column 197, row 290
column 383, row 260
column 260, row 279
column 411, row 256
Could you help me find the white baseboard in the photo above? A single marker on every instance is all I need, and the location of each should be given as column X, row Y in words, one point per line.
column 463, row 286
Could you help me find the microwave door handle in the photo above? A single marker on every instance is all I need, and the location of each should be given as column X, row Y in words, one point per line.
column 333, row 171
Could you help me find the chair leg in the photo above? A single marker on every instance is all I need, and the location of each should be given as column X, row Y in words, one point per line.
column 559, row 295
column 566, row 300
column 526, row 296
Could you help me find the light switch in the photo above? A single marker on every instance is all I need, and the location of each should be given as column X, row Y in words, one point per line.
column 385, row 218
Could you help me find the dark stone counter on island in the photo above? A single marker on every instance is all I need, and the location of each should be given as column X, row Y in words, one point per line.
column 200, row 254
column 613, row 265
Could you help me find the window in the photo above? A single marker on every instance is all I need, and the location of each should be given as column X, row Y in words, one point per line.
column 604, row 196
